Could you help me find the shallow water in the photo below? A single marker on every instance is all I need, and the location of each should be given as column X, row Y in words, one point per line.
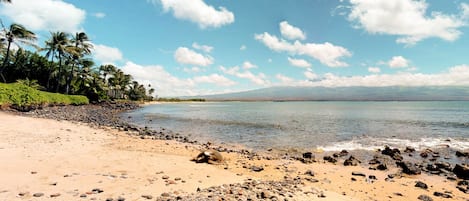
column 329, row 125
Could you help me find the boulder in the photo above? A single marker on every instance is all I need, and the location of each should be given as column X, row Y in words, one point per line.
column 409, row 168
column 461, row 171
column 351, row 161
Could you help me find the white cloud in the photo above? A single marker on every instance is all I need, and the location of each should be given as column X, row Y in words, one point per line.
column 194, row 69
column 465, row 10
column 406, row 19
column 374, row 70
column 248, row 65
column 299, row 62
column 106, row 54
column 259, row 79
column 168, row 85
column 398, row 62
column 45, row 15
column 99, row 15
column 198, row 11
column 288, row 81
column 326, row 53
column 290, row 32
column 243, row 47
column 204, row 48
column 455, row 76
column 310, row 75
column 184, row 55
column 216, row 79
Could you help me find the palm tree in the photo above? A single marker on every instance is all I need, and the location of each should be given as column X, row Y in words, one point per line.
column 58, row 45
column 15, row 33
column 119, row 81
column 81, row 47
column 8, row 1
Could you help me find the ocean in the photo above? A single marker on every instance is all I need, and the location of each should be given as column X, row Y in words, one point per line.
column 326, row 125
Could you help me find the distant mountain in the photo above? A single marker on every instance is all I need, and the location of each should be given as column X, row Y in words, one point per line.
column 346, row 94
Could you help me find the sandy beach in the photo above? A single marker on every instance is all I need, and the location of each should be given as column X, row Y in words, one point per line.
column 44, row 159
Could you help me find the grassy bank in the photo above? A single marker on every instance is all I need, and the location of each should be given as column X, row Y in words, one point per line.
column 23, row 97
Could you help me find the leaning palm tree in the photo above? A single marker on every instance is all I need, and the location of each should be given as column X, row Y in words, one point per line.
column 8, row 1
column 82, row 47
column 15, row 33
column 58, row 46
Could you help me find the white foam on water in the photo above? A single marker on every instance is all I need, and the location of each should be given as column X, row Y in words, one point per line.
column 378, row 143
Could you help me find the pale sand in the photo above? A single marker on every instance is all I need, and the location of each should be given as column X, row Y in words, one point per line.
column 48, row 156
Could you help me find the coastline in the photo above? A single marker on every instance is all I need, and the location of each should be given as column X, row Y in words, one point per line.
column 109, row 155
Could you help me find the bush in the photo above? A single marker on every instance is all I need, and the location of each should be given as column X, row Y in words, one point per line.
column 23, row 97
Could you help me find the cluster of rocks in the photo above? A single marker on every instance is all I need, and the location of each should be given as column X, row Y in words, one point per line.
column 286, row 189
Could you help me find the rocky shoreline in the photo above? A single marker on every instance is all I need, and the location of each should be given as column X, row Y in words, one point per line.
column 442, row 161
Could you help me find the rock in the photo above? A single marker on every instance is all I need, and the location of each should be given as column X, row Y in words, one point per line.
column 55, row 195
column 443, row 195
column 462, row 154
column 120, row 199
column 393, row 153
column 165, row 195
column 308, row 155
column 425, row 198
column 83, row 195
column 358, row 174
column 330, row 159
column 351, row 161
column 382, row 167
column 409, row 168
column 165, row 177
column 257, row 168
column 421, row 185
column 38, row 194
column 425, row 153
column 209, row 156
column 372, row 177
column 109, row 199
column 309, row 172
column 265, row 194
column 97, row 190
column 461, row 171
column 409, row 149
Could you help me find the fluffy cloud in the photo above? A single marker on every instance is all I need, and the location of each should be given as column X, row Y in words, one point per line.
column 406, row 19
column 374, row 70
column 243, row 47
column 455, row 76
column 106, row 54
column 184, row 55
column 168, row 85
column 310, row 75
column 398, row 62
column 259, row 79
column 299, row 62
column 326, row 53
column 288, row 81
column 45, row 15
column 204, row 48
column 290, row 32
column 217, row 79
column 198, row 11
column 248, row 65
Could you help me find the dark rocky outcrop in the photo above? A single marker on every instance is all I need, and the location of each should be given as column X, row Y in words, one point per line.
column 409, row 168
column 461, row 171
column 351, row 161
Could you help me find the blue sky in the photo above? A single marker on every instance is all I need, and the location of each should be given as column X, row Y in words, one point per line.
column 192, row 47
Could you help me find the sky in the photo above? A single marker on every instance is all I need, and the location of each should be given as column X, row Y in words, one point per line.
column 199, row 47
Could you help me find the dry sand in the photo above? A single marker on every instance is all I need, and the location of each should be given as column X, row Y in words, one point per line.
column 70, row 160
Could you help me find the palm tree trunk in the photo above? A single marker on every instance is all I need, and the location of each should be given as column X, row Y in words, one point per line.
column 60, row 73
column 69, row 80
column 5, row 61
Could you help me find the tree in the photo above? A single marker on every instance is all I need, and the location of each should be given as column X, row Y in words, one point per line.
column 7, row 1
column 15, row 33
column 58, row 45
column 82, row 47
column 119, row 81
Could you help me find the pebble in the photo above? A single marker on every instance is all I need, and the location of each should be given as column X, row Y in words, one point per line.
column 425, row 198
column 358, row 174
column 148, row 197
column 421, row 185
column 38, row 194
column 55, row 195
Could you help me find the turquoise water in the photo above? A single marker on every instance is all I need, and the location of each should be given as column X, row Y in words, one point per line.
column 328, row 125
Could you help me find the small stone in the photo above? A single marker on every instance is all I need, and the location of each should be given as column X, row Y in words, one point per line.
column 165, row 195
column 309, row 172
column 421, row 185
column 308, row 155
column 330, row 159
column 55, row 195
column 109, row 199
column 38, row 194
column 358, row 174
column 120, row 199
column 177, row 178
column 165, row 177
column 443, row 195
column 398, row 194
column 148, row 197
column 351, row 161
column 97, row 190
column 461, row 171
column 425, row 198
column 33, row 172
column 21, row 194
column 382, row 167
column 257, row 168
column 373, row 177
column 83, row 195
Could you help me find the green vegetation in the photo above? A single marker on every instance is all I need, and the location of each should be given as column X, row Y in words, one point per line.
column 63, row 65
column 20, row 95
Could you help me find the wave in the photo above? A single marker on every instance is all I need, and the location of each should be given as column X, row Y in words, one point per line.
column 370, row 143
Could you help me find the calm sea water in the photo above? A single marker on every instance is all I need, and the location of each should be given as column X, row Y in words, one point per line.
column 305, row 125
